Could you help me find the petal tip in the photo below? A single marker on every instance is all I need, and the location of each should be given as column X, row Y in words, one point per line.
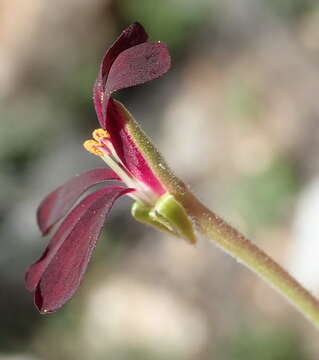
column 39, row 302
column 136, row 28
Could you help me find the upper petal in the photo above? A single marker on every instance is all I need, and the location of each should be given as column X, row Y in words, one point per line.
column 131, row 36
column 59, row 202
column 130, row 61
column 137, row 65
column 65, row 263
column 125, row 133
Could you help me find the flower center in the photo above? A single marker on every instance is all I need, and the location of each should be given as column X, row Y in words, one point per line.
column 101, row 145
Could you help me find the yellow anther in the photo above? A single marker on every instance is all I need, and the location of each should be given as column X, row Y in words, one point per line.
column 91, row 146
column 99, row 134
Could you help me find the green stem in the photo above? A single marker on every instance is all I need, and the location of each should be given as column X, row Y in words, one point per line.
column 243, row 250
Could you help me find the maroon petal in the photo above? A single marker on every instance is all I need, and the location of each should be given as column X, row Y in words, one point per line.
column 35, row 271
column 137, row 65
column 131, row 36
column 126, row 149
column 59, row 202
column 63, row 265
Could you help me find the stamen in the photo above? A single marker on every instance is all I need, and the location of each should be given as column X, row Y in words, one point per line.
column 92, row 147
column 103, row 147
column 99, row 134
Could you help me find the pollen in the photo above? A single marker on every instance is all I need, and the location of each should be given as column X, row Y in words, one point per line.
column 99, row 134
column 92, row 147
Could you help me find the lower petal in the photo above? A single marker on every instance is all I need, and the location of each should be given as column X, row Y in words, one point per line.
column 58, row 273
column 36, row 270
column 59, row 202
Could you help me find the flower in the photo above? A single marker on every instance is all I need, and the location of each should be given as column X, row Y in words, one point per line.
column 134, row 162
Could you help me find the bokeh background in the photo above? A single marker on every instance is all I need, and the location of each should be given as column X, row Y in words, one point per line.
column 237, row 117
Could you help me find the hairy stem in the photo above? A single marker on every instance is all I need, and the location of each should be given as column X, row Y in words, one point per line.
column 243, row 250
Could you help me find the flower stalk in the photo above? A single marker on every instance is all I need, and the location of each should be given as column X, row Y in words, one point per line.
column 244, row 251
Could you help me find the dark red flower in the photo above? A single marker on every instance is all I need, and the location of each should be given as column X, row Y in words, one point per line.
column 134, row 161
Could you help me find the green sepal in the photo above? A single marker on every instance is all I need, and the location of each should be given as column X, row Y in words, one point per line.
column 167, row 214
column 143, row 214
column 169, row 209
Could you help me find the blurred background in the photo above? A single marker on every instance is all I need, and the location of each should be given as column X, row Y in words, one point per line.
column 236, row 117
